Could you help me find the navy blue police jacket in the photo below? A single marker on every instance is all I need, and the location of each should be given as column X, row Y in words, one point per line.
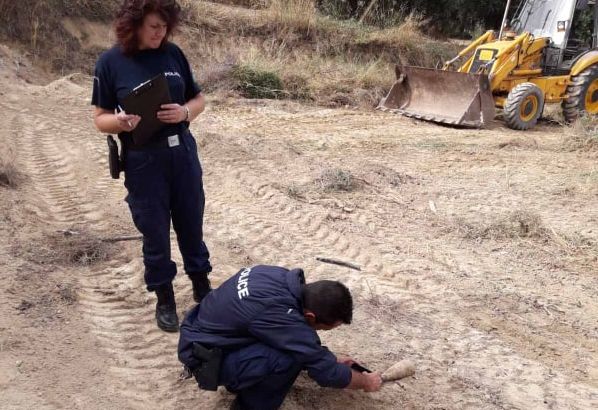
column 116, row 74
column 261, row 304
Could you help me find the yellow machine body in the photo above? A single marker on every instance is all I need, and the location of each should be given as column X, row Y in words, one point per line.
column 508, row 73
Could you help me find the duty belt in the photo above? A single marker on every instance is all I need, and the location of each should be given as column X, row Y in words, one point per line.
column 167, row 141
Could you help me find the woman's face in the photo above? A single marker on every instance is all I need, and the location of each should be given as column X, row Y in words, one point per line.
column 152, row 31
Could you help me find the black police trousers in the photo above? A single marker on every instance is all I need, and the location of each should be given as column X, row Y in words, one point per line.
column 165, row 183
column 259, row 375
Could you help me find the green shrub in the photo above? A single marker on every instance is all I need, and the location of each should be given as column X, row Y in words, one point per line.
column 256, row 83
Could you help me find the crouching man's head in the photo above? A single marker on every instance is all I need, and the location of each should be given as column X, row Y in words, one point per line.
column 327, row 304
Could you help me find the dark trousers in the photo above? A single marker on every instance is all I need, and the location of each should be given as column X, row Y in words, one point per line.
column 260, row 376
column 165, row 183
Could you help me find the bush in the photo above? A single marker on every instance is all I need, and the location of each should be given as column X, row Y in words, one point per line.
column 297, row 87
column 256, row 83
column 10, row 176
column 336, row 180
column 515, row 224
column 583, row 134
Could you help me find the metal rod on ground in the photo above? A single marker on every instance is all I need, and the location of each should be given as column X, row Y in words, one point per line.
column 339, row 263
column 123, row 238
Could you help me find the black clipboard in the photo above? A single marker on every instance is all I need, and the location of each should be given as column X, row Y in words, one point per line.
column 145, row 100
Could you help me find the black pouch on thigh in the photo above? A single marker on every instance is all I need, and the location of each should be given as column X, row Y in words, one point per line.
column 115, row 162
column 208, row 371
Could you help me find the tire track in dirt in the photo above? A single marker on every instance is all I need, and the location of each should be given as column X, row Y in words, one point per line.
column 54, row 181
column 274, row 229
column 142, row 357
column 312, row 227
column 303, row 227
column 40, row 209
column 55, row 178
column 68, row 170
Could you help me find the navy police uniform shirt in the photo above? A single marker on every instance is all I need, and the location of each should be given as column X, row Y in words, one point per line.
column 261, row 304
column 117, row 74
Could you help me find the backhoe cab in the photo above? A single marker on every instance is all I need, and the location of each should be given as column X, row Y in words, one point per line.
column 548, row 53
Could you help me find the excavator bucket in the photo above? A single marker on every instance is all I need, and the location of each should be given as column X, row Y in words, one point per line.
column 446, row 97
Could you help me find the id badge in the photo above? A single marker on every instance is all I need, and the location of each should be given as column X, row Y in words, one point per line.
column 173, row 141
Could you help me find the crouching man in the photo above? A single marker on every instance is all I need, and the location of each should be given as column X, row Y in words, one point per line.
column 257, row 332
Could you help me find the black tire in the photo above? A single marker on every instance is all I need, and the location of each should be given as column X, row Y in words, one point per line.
column 524, row 106
column 577, row 94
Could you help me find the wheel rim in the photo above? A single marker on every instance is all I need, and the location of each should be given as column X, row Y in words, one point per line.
column 529, row 108
column 592, row 98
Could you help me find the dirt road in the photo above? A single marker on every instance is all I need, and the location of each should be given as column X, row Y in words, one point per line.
column 477, row 249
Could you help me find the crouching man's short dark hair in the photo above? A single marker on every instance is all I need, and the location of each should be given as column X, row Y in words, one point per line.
column 329, row 300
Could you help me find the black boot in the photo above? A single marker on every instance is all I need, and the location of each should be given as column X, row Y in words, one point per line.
column 201, row 286
column 166, row 309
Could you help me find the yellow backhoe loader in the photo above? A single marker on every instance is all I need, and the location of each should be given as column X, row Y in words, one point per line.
column 540, row 56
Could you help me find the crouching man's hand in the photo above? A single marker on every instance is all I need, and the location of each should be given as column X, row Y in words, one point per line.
column 373, row 382
column 368, row 382
column 345, row 360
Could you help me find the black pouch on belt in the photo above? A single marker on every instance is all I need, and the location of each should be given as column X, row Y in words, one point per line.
column 208, row 372
column 114, row 160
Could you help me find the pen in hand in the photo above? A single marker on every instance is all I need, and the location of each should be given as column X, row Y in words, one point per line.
column 123, row 111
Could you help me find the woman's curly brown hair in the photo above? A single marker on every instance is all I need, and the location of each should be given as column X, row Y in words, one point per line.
column 130, row 17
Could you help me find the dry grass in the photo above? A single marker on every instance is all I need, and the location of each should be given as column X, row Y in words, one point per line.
column 91, row 9
column 294, row 191
column 583, row 134
column 553, row 113
column 335, row 179
column 79, row 247
column 199, row 15
column 331, row 62
column 38, row 26
column 10, row 176
column 523, row 143
column 312, row 76
column 382, row 307
column 67, row 293
column 70, row 247
column 516, row 224
column 383, row 176
column 292, row 15
column 406, row 37
column 257, row 4
column 522, row 224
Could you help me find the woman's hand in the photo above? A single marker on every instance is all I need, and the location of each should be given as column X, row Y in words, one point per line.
column 127, row 122
column 173, row 113
column 109, row 122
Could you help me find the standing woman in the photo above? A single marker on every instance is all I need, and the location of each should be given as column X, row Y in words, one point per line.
column 163, row 177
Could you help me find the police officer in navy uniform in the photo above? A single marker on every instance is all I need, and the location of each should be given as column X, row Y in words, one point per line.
column 262, row 324
column 163, row 177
